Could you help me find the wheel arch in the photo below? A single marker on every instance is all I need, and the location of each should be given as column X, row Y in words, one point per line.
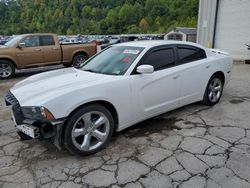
column 9, row 60
column 221, row 74
column 110, row 107
column 79, row 53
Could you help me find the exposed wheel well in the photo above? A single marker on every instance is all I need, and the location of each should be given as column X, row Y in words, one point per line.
column 106, row 104
column 221, row 74
column 80, row 53
column 9, row 60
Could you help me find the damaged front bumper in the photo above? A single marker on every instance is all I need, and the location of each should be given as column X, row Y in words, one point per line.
column 49, row 131
column 35, row 129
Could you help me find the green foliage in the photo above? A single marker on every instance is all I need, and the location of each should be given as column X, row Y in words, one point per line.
column 96, row 16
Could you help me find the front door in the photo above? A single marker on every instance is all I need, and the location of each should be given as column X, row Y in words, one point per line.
column 158, row 92
column 31, row 54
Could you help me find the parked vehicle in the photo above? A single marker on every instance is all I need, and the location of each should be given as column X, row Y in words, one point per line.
column 3, row 41
column 121, row 86
column 32, row 50
column 112, row 41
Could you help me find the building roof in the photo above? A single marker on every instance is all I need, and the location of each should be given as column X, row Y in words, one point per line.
column 186, row 30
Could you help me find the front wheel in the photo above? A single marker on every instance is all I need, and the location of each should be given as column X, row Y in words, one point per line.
column 7, row 69
column 214, row 90
column 88, row 130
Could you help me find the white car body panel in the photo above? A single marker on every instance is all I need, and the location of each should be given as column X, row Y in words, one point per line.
column 155, row 92
column 135, row 97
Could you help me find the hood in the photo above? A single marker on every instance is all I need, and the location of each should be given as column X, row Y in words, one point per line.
column 53, row 83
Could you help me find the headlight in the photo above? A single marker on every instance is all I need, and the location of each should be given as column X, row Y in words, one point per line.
column 37, row 113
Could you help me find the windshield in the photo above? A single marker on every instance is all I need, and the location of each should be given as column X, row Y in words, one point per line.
column 13, row 41
column 114, row 61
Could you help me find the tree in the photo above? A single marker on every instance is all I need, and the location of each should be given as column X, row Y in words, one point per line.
column 99, row 16
column 143, row 24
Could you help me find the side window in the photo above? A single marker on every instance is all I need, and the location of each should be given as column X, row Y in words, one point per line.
column 31, row 41
column 160, row 59
column 47, row 40
column 187, row 54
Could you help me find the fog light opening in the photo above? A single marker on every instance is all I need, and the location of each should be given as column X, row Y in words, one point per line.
column 47, row 131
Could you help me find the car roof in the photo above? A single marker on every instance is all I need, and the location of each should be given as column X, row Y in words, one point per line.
column 155, row 43
column 35, row 34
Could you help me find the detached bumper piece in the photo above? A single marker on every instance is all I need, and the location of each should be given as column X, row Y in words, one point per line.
column 34, row 129
column 29, row 130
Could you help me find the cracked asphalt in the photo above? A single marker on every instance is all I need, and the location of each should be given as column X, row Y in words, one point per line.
column 192, row 147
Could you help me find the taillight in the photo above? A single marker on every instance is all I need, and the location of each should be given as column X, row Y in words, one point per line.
column 95, row 48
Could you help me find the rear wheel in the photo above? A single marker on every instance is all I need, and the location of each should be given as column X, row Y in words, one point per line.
column 214, row 90
column 88, row 130
column 7, row 69
column 79, row 59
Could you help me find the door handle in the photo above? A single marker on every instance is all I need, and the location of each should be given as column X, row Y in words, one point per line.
column 55, row 48
column 176, row 77
column 38, row 49
column 208, row 66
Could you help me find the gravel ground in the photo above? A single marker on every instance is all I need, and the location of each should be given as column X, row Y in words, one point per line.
column 192, row 147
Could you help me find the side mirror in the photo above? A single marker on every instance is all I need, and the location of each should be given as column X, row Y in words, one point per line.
column 145, row 69
column 21, row 45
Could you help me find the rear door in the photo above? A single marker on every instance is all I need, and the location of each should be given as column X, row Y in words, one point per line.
column 31, row 54
column 51, row 50
column 196, row 71
column 157, row 92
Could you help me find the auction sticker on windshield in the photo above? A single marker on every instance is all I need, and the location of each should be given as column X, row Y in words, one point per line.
column 128, row 51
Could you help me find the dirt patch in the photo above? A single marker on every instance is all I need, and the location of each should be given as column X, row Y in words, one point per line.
column 154, row 125
column 5, row 115
column 236, row 101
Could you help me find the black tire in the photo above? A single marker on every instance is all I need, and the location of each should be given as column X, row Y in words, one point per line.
column 67, row 65
column 79, row 59
column 72, row 143
column 7, row 69
column 206, row 98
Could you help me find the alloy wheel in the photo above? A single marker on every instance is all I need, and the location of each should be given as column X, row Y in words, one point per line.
column 79, row 61
column 90, row 131
column 5, row 70
column 215, row 90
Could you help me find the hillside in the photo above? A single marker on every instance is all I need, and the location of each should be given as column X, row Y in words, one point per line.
column 96, row 17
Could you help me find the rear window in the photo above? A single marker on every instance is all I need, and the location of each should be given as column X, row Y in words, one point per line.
column 47, row 41
column 189, row 54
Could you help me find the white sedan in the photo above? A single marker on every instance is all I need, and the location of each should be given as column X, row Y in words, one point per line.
column 119, row 87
